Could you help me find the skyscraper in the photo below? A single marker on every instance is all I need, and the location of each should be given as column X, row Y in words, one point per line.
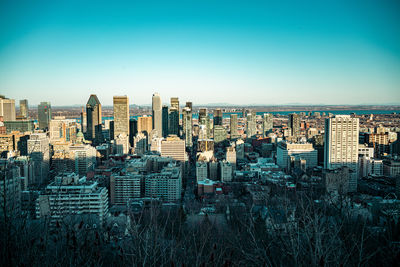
column 189, row 105
column 23, row 108
column 93, row 120
column 83, row 121
column 187, row 125
column 234, row 126
column 144, row 124
column 7, row 108
column 174, row 147
column 133, row 130
column 44, row 114
column 165, row 120
column 121, row 115
column 294, row 124
column 267, row 123
column 251, row 124
column 217, row 116
column 341, row 145
column 173, row 126
column 157, row 114
column 175, row 103
column 39, row 152
column 204, row 120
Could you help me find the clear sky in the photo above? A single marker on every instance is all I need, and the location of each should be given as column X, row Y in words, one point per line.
column 239, row 52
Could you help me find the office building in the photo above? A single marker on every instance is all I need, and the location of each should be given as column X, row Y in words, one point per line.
column 286, row 150
column 166, row 185
column 201, row 171
column 204, row 124
column 10, row 184
column 7, row 109
column 133, row 130
column 145, row 124
column 267, row 123
column 39, row 152
column 219, row 134
column 23, row 108
column 83, row 121
column 341, row 146
column 165, row 120
column 121, row 144
column 84, row 158
column 174, row 147
column 44, row 115
column 62, row 130
column 294, row 124
column 20, row 125
column 234, row 126
column 124, row 188
column 73, row 199
column 121, row 115
column 175, row 103
column 140, row 143
column 217, row 116
column 187, row 126
column 173, row 125
column 213, row 170
column 251, row 125
column 226, row 171
column 157, row 113
column 231, row 156
column 94, row 131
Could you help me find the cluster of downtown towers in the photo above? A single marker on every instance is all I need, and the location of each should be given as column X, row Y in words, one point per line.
column 165, row 120
column 341, row 132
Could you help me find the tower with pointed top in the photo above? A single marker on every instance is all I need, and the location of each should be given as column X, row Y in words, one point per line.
column 93, row 120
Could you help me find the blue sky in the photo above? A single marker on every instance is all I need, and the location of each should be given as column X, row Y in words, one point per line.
column 239, row 52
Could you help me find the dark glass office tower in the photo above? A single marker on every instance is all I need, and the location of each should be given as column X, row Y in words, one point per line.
column 93, row 120
column 44, row 115
column 165, row 120
column 173, row 127
column 132, row 130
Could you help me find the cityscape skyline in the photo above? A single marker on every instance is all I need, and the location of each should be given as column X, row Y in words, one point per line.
column 261, row 53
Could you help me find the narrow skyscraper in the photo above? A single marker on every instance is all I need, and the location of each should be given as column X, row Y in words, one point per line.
column 121, row 115
column 165, row 120
column 93, row 120
column 267, row 123
column 23, row 108
column 251, row 124
column 187, row 125
column 44, row 115
column 234, row 126
column 217, row 117
column 341, row 146
column 157, row 114
column 294, row 124
column 173, row 125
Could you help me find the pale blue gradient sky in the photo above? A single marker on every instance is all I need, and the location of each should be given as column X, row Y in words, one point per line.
column 239, row 52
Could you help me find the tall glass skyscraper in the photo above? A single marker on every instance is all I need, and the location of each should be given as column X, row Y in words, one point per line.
column 93, row 120
column 44, row 115
column 165, row 120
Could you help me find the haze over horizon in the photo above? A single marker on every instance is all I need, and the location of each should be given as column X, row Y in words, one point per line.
column 264, row 53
